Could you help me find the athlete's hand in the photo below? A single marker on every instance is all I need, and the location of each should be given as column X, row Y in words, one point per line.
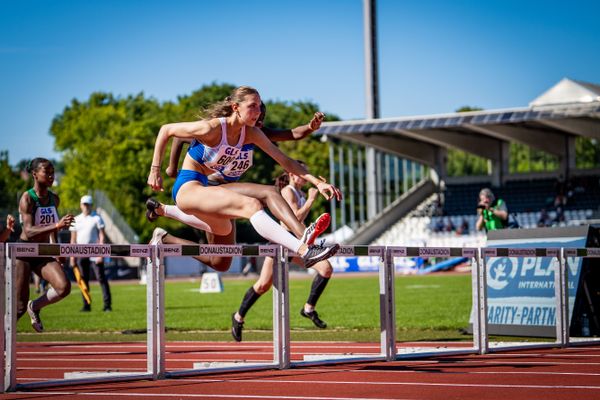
column 65, row 222
column 312, row 193
column 155, row 180
column 328, row 191
column 10, row 223
column 315, row 122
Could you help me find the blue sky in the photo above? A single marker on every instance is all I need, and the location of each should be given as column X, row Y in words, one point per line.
column 434, row 56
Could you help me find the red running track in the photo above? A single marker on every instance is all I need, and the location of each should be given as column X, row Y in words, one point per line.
column 547, row 374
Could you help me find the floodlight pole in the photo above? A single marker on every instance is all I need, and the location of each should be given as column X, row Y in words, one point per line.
column 371, row 98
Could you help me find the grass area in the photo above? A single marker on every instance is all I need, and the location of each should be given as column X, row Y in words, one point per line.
column 431, row 307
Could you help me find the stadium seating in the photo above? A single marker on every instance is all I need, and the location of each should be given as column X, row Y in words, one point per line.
column 425, row 225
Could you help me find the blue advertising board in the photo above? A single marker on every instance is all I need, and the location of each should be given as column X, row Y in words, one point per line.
column 520, row 290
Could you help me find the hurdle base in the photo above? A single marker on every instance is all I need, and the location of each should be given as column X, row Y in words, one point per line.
column 326, row 357
column 97, row 374
column 227, row 364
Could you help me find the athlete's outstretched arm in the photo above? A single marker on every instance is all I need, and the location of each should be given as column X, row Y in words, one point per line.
column 182, row 130
column 326, row 189
column 297, row 133
column 174, row 156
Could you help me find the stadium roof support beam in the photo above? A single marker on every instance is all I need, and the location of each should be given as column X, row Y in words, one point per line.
column 559, row 144
column 580, row 127
column 415, row 150
column 550, row 142
column 482, row 146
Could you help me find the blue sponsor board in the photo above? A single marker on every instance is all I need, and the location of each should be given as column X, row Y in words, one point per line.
column 521, row 290
column 370, row 264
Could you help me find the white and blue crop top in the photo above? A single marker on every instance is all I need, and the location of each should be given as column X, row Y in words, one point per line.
column 229, row 162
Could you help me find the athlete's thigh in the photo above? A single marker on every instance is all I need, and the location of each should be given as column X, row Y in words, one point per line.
column 266, row 272
column 211, row 203
column 217, row 262
column 211, row 238
column 256, row 190
column 53, row 273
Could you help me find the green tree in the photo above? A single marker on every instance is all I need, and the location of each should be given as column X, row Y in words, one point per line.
column 107, row 145
column 12, row 185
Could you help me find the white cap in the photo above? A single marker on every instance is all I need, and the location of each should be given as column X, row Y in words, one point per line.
column 87, row 199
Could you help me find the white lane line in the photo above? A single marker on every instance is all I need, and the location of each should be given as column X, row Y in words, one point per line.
column 395, row 383
column 71, row 368
column 209, row 396
column 383, row 371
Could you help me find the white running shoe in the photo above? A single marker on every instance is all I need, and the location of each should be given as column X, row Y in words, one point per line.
column 316, row 253
column 157, row 235
column 36, row 322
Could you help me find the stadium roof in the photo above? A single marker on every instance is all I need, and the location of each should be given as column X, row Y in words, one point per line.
column 551, row 123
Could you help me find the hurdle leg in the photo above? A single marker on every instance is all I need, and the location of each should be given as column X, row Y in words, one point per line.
column 484, row 345
column 159, row 277
column 387, row 307
column 151, row 320
column 281, row 310
column 476, row 298
column 561, row 288
column 3, row 316
column 10, row 326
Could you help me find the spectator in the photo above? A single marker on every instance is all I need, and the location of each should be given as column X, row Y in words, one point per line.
column 544, row 219
column 439, row 225
column 463, row 229
column 560, row 215
column 492, row 213
column 449, row 227
column 89, row 229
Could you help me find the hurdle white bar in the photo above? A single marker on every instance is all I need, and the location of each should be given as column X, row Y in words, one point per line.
column 562, row 301
column 228, row 251
column 3, row 309
column 36, row 250
column 483, row 305
column 476, row 300
column 153, row 310
column 10, row 321
column 281, row 311
column 387, row 306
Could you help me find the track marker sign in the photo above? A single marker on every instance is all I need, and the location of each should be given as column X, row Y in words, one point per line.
column 211, row 283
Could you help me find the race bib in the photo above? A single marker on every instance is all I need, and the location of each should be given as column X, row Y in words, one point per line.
column 46, row 216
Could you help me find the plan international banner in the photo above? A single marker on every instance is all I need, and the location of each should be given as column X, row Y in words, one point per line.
column 521, row 299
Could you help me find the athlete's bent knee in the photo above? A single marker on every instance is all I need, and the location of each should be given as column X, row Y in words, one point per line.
column 63, row 289
column 251, row 206
column 263, row 287
column 220, row 264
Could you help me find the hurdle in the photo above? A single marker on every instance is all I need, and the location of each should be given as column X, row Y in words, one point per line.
column 571, row 254
column 562, row 305
column 281, row 355
column 9, row 308
column 566, row 258
column 477, row 285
